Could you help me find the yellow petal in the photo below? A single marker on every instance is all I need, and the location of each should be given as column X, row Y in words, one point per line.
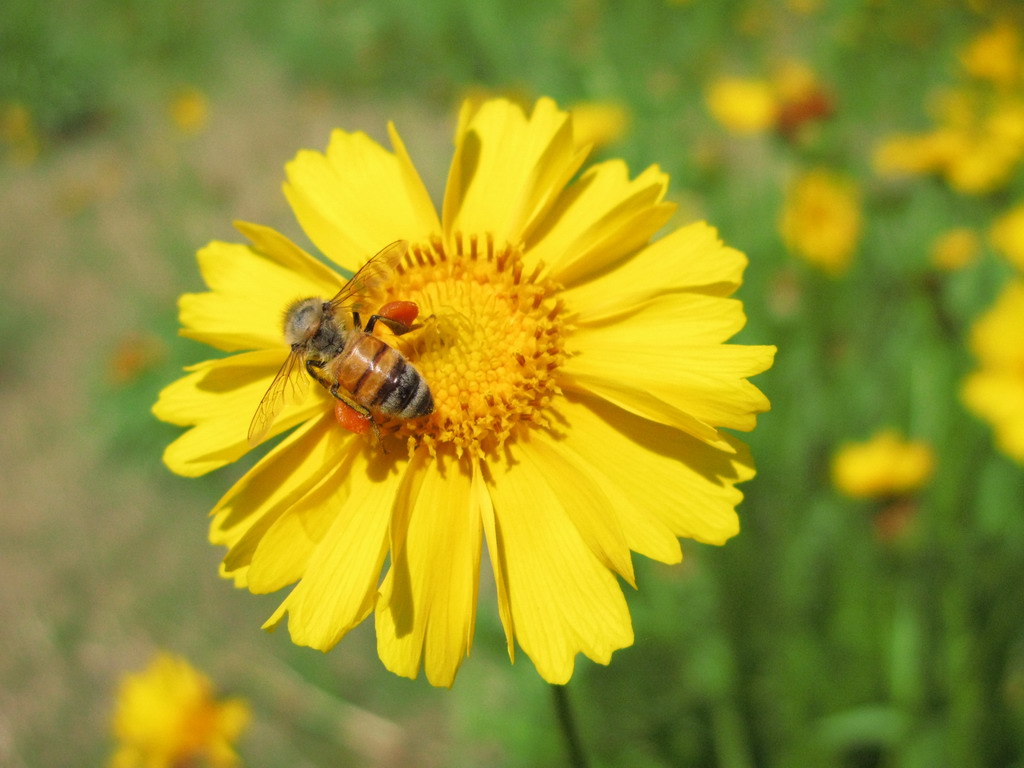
column 667, row 367
column 428, row 600
column 563, row 600
column 284, row 550
column 690, row 259
column 508, row 169
column 666, row 322
column 998, row 397
column 249, row 292
column 663, row 484
column 340, row 583
column 358, row 197
column 276, row 246
column 239, row 577
column 232, row 717
column 583, row 499
column 279, row 481
column 598, row 220
column 219, row 397
column 495, row 551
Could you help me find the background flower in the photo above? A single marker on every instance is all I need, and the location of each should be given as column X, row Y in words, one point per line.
column 955, row 249
column 995, row 391
column 167, row 717
column 1007, row 235
column 821, row 220
column 884, row 466
column 742, row 105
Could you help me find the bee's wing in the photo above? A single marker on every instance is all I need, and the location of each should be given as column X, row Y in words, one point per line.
column 363, row 292
column 289, row 376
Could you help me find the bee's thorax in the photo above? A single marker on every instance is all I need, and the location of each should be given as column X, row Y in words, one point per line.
column 328, row 340
column 309, row 326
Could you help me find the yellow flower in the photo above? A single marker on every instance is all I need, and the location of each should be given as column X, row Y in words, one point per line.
column 995, row 392
column 580, row 382
column 994, row 55
column 1007, row 235
column 821, row 220
column 598, row 122
column 976, row 145
column 911, row 154
column 886, row 465
column 167, row 717
column 955, row 249
column 982, row 165
column 189, row 110
column 804, row 7
column 802, row 98
column 743, row 106
column 18, row 133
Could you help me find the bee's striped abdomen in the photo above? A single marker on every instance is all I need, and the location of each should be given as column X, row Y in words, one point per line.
column 379, row 378
column 405, row 394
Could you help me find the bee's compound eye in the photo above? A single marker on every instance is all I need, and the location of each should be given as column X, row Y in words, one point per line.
column 302, row 320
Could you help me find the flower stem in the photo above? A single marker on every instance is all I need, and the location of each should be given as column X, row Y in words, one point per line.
column 567, row 724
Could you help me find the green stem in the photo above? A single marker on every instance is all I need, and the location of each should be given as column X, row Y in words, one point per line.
column 567, row 724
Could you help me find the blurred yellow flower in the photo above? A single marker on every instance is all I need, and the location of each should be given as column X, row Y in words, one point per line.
column 743, row 106
column 955, row 249
column 1007, row 235
column 167, row 717
column 994, row 55
column 911, row 154
column 884, row 466
column 976, row 145
column 1004, row 124
column 581, row 384
column 821, row 220
column 801, row 96
column 599, row 122
column 995, row 391
column 981, row 164
column 189, row 110
column 17, row 132
column 794, row 80
column 804, row 7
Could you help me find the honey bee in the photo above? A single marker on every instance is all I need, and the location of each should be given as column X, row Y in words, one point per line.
column 366, row 375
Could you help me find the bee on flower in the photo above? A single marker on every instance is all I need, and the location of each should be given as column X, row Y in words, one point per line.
column 580, row 381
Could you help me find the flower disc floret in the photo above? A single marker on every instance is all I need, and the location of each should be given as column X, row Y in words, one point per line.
column 490, row 347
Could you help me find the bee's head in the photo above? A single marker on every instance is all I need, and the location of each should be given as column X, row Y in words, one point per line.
column 302, row 320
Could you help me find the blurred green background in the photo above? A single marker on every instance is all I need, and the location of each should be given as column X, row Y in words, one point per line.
column 810, row 640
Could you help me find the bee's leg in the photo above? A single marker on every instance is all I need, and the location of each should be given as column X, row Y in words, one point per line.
column 315, row 369
column 362, row 410
column 397, row 326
